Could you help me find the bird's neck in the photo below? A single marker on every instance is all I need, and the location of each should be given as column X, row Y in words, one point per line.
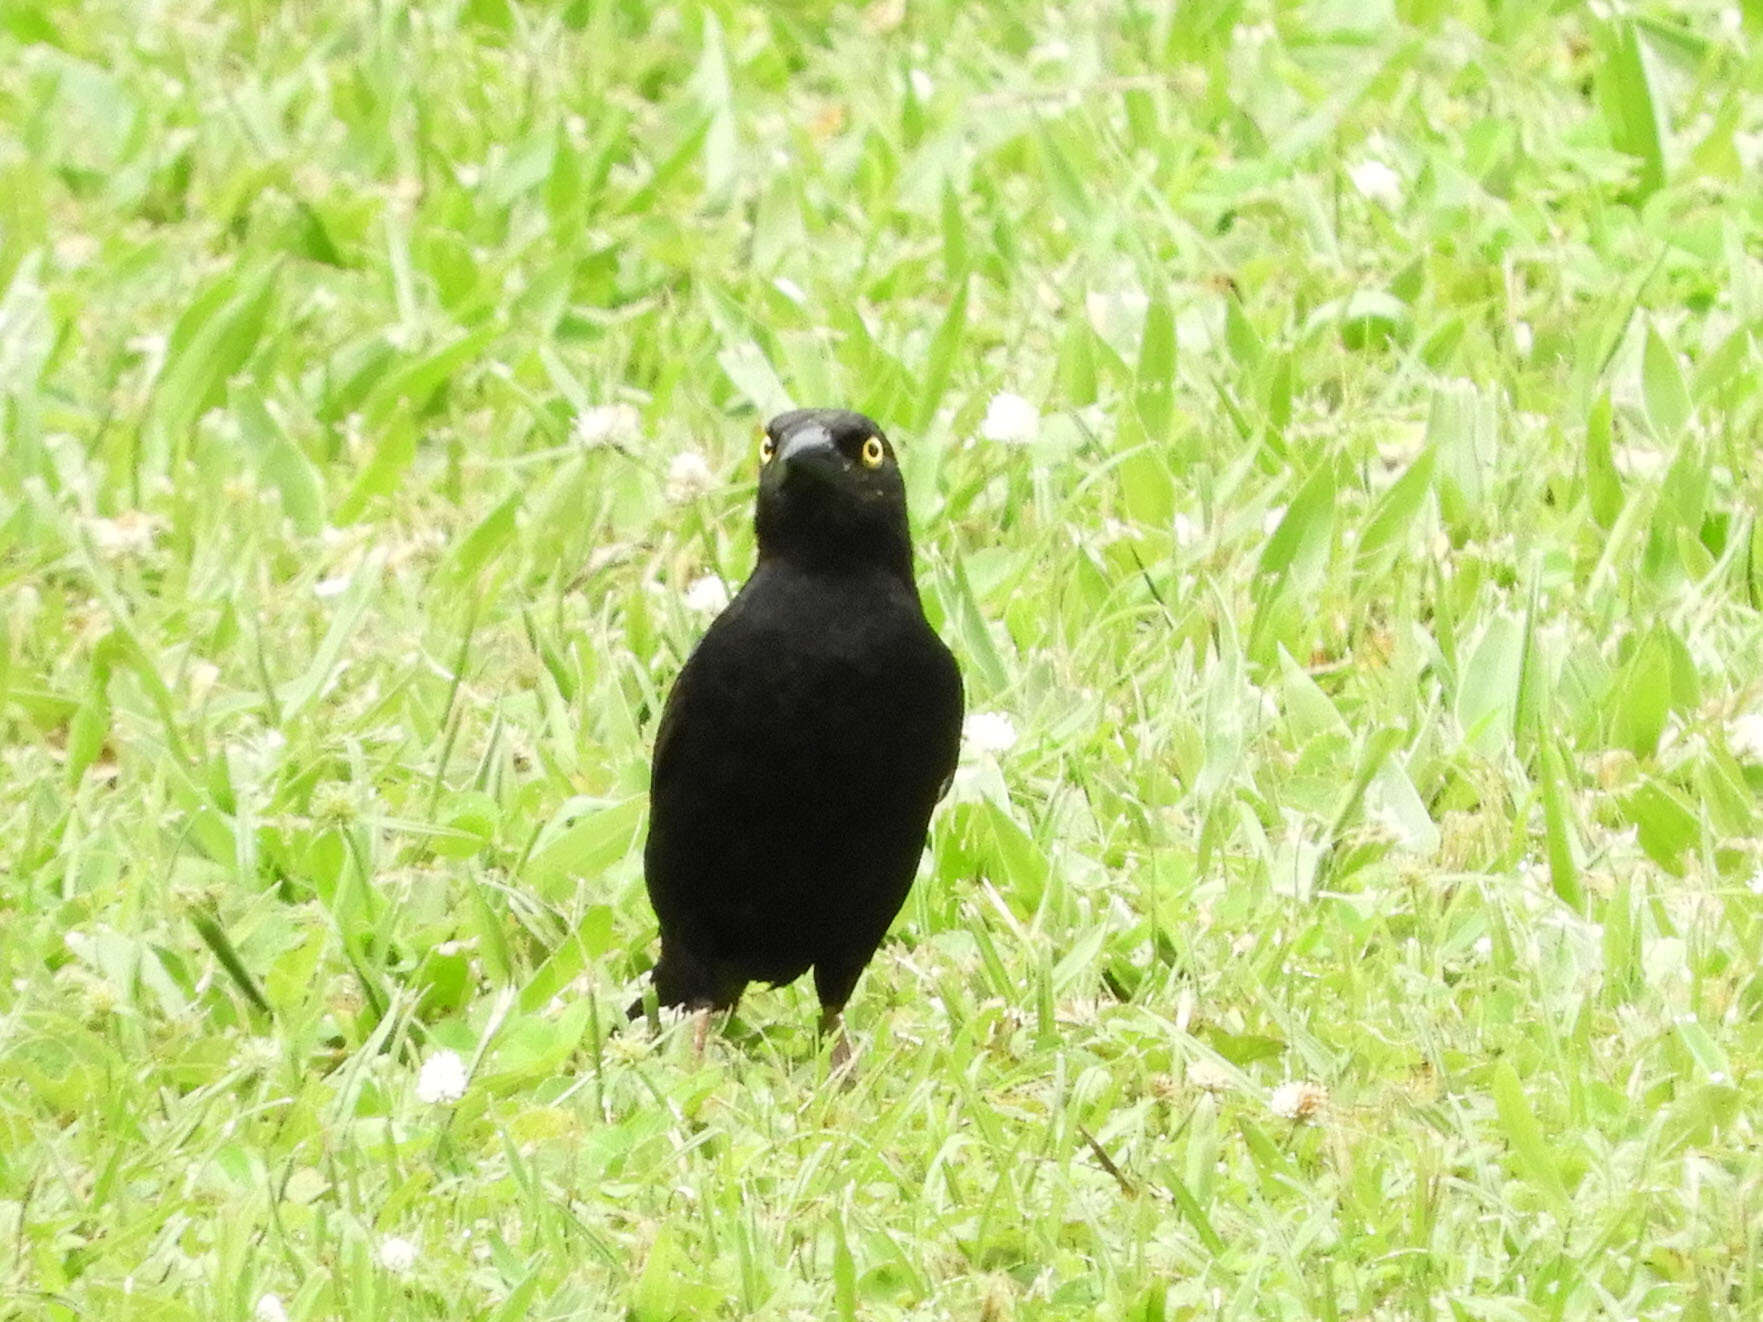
column 892, row 563
column 858, row 550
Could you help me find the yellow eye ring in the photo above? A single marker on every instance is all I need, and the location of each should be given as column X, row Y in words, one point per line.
column 767, row 448
column 873, row 453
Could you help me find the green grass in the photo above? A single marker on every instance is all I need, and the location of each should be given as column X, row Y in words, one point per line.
column 1376, row 605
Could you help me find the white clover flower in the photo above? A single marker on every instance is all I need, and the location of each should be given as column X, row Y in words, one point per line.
column 75, row 250
column 397, row 1254
column 270, row 1308
column 606, row 424
column 1010, row 419
column 1208, row 1075
column 443, row 1079
column 1744, row 735
column 688, row 477
column 989, row 731
column 202, row 679
column 260, row 1053
column 1298, row 1099
column 129, row 533
column 1376, row 182
column 706, row 594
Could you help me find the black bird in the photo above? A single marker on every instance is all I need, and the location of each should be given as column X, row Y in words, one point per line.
column 806, row 740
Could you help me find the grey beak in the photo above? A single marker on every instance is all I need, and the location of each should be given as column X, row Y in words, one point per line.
column 810, row 450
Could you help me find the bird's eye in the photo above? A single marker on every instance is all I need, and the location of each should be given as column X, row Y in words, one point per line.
column 767, row 448
column 873, row 452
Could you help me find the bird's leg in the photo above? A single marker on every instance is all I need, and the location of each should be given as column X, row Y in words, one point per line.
column 701, row 1030
column 833, row 1021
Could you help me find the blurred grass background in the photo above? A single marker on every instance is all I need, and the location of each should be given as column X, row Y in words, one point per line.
column 1363, row 578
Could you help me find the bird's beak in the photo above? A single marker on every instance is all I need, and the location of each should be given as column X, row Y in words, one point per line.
column 810, row 451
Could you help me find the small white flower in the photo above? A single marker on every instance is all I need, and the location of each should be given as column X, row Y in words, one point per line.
column 923, row 86
column 688, row 477
column 442, row 1080
column 129, row 533
column 1377, row 182
column 203, row 677
column 1744, row 735
column 1187, row 530
column 1271, row 520
column 791, row 290
column 468, row 175
column 270, row 1308
column 334, row 586
column 1718, row 1077
column 1756, row 884
column 1208, row 1075
column 1010, row 419
column 606, row 424
column 397, row 1254
column 1484, row 946
column 989, row 731
column 706, row 594
column 1523, row 339
column 1298, row 1100
column 75, row 250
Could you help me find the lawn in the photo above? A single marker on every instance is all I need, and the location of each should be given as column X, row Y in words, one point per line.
column 1332, row 431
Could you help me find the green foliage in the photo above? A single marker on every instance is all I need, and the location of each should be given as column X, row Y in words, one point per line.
column 1375, row 604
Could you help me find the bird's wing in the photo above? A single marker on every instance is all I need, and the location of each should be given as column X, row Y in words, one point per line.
column 955, row 707
column 667, row 740
column 718, row 680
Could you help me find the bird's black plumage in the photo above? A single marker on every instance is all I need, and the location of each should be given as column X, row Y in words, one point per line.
column 808, row 736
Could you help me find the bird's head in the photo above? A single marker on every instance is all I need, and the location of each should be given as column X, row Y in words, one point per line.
column 830, row 493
